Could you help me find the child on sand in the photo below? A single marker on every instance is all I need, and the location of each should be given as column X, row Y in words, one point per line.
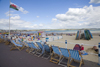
column 82, row 47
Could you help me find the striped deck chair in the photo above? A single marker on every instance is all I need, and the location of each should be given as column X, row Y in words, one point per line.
column 1, row 38
column 16, row 46
column 34, row 48
column 55, row 57
column 47, row 51
column 41, row 49
column 23, row 43
column 7, row 41
column 29, row 47
column 75, row 55
column 64, row 54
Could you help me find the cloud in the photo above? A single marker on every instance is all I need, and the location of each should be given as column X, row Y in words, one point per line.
column 17, row 23
column 94, row 1
column 54, row 20
column 37, row 16
column 86, row 17
column 15, row 17
column 40, row 25
column 22, row 10
column 7, row 13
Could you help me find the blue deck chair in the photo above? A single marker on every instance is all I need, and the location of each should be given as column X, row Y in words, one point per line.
column 22, row 43
column 39, row 45
column 25, row 43
column 34, row 48
column 7, row 42
column 1, row 38
column 55, row 57
column 75, row 55
column 29, row 47
column 47, row 51
column 16, row 46
column 64, row 54
column 40, row 51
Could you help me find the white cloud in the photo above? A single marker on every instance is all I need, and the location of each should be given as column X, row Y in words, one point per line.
column 17, row 23
column 40, row 25
column 15, row 17
column 54, row 20
column 7, row 13
column 85, row 17
column 22, row 10
column 94, row 1
column 37, row 16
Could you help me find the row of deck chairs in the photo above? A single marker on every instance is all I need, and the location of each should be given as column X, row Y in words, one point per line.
column 4, row 39
column 59, row 54
column 56, row 53
column 37, row 48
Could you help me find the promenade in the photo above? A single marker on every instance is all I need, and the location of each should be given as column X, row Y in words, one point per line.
column 17, row 58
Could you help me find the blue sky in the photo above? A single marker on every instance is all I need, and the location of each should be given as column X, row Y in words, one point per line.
column 50, row 14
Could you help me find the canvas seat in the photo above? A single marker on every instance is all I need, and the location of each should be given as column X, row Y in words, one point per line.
column 47, row 51
column 1, row 38
column 40, row 51
column 55, row 57
column 75, row 56
column 29, row 47
column 64, row 55
column 34, row 49
column 16, row 46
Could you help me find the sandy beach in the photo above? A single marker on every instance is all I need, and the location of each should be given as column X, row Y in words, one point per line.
column 87, row 45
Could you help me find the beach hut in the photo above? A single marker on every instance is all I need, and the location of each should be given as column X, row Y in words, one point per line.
column 41, row 34
column 83, row 34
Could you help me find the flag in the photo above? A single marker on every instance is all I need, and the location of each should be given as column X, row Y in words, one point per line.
column 14, row 6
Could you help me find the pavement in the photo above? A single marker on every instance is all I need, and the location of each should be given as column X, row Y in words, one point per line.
column 17, row 58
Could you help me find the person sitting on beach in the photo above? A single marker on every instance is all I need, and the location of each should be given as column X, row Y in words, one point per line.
column 82, row 47
column 77, row 47
column 95, row 48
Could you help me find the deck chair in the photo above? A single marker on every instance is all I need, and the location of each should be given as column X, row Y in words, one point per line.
column 75, row 56
column 47, row 51
column 7, row 41
column 23, row 43
column 55, row 57
column 1, row 38
column 34, row 48
column 29, row 47
column 40, row 50
column 64, row 55
column 16, row 46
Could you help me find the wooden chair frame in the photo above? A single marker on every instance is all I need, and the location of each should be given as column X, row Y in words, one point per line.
column 81, row 61
column 54, row 55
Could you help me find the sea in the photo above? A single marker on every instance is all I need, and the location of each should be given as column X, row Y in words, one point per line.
column 62, row 31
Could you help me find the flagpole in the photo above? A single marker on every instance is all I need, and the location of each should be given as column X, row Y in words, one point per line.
column 9, row 20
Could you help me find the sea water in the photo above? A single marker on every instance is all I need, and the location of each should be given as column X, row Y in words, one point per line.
column 62, row 31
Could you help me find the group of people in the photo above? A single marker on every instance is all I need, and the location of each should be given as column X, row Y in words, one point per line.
column 81, row 48
column 78, row 47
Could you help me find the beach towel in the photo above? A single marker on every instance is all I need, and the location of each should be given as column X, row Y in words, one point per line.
column 84, row 53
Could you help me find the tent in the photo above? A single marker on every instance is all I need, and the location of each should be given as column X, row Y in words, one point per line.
column 84, row 34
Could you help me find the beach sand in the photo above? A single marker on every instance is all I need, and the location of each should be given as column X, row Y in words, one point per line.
column 71, row 43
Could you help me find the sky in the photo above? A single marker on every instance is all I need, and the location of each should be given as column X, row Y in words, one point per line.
column 50, row 14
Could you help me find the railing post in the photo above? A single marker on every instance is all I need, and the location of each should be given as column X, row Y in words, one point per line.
column 99, row 53
column 66, row 43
